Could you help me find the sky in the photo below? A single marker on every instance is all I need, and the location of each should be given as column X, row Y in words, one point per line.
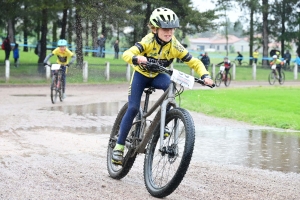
column 203, row 5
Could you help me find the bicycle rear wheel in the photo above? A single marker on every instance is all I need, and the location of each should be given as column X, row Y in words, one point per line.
column 218, row 79
column 227, row 80
column 282, row 79
column 120, row 171
column 272, row 78
column 164, row 169
column 54, row 91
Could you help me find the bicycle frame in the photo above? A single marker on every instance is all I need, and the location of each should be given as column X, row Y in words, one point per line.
column 167, row 98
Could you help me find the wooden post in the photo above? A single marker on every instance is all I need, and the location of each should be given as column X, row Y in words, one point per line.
column 296, row 71
column 233, row 71
column 254, row 71
column 7, row 70
column 213, row 71
column 107, row 71
column 85, row 71
column 48, row 72
column 128, row 72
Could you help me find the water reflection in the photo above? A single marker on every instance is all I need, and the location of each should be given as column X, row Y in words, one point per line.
column 265, row 149
column 95, row 109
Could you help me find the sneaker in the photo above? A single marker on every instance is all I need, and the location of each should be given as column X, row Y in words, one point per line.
column 117, row 155
column 64, row 96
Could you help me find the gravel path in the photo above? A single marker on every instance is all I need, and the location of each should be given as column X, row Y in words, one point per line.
column 46, row 154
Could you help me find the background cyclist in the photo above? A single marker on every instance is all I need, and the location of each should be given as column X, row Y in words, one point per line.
column 226, row 64
column 64, row 57
column 159, row 46
column 279, row 63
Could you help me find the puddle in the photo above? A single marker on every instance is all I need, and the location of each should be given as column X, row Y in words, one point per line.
column 29, row 95
column 264, row 149
column 96, row 109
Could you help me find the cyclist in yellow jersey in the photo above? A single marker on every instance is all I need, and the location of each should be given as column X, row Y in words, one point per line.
column 64, row 57
column 255, row 56
column 279, row 63
column 159, row 46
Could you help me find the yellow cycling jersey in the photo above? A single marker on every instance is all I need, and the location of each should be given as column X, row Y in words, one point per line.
column 255, row 54
column 163, row 54
column 277, row 62
column 63, row 57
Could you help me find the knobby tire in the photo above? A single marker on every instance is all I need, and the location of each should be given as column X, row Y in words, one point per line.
column 272, row 78
column 163, row 172
column 218, row 79
column 54, row 92
column 228, row 80
column 120, row 171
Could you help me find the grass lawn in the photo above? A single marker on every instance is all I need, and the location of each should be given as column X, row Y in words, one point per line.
column 278, row 106
column 271, row 106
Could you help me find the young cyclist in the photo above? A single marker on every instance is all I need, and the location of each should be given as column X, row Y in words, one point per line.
column 227, row 65
column 64, row 57
column 159, row 46
column 279, row 63
column 16, row 54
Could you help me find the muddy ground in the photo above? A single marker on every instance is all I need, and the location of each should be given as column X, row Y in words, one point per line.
column 50, row 154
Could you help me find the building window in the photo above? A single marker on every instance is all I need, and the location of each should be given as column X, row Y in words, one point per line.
column 225, row 47
column 218, row 48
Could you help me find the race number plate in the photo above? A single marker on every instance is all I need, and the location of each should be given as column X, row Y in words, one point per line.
column 222, row 68
column 55, row 66
column 183, row 79
column 273, row 67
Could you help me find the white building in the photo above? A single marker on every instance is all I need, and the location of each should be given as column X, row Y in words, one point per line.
column 219, row 44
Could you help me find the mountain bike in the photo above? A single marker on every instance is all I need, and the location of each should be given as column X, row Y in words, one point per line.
column 167, row 143
column 221, row 76
column 274, row 75
column 56, row 83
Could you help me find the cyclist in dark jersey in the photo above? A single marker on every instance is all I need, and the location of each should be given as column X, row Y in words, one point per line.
column 226, row 64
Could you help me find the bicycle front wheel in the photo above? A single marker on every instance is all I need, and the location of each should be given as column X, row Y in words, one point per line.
column 218, row 79
column 54, row 91
column 120, row 171
column 282, row 79
column 227, row 80
column 165, row 168
column 272, row 78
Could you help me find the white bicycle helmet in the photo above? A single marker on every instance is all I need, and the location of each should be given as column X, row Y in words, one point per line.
column 62, row 42
column 164, row 18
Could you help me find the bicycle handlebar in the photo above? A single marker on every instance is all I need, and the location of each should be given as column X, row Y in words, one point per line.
column 156, row 67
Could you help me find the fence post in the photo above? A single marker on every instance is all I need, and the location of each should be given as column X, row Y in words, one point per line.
column 213, row 71
column 296, row 71
column 7, row 70
column 192, row 72
column 128, row 72
column 254, row 71
column 48, row 69
column 85, row 71
column 107, row 71
column 233, row 71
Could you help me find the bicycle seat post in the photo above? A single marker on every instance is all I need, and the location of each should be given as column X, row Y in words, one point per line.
column 146, row 103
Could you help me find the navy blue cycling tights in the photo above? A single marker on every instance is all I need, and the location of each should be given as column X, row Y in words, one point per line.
column 138, row 84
